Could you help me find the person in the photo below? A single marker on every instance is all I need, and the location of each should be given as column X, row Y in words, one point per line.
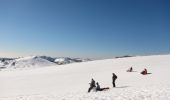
column 100, row 89
column 130, row 69
column 114, row 77
column 92, row 85
column 144, row 72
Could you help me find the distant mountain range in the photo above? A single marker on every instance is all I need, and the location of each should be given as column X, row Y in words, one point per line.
column 37, row 61
column 40, row 61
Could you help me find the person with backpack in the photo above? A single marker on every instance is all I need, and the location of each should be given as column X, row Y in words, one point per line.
column 114, row 77
column 92, row 85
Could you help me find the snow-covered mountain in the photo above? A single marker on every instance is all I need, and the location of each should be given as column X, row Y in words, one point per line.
column 26, row 62
column 71, row 81
column 32, row 61
column 36, row 61
column 66, row 60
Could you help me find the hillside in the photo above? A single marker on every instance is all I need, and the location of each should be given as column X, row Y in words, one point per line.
column 36, row 62
column 70, row 82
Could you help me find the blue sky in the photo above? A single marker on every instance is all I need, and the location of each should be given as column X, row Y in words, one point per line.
column 84, row 28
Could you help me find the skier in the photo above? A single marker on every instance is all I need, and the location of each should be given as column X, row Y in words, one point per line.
column 92, row 85
column 114, row 77
column 144, row 72
column 130, row 69
column 100, row 89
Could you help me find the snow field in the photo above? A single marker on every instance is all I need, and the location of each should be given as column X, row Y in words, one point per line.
column 70, row 82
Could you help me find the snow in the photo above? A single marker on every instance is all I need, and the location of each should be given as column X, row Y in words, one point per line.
column 27, row 62
column 34, row 61
column 70, row 82
column 66, row 60
column 63, row 60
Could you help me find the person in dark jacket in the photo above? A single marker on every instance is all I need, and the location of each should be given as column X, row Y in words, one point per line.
column 100, row 89
column 144, row 72
column 92, row 85
column 114, row 77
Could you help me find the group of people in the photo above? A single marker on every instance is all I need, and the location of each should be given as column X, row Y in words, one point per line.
column 96, row 87
column 144, row 72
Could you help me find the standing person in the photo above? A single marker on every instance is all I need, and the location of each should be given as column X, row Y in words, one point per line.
column 92, row 85
column 114, row 77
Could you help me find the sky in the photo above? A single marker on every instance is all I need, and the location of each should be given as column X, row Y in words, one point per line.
column 84, row 28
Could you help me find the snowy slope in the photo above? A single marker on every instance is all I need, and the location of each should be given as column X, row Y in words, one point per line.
column 28, row 62
column 70, row 82
column 36, row 61
column 66, row 60
column 32, row 61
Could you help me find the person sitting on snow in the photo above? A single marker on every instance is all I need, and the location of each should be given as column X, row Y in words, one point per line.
column 130, row 69
column 92, row 85
column 144, row 72
column 100, row 89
